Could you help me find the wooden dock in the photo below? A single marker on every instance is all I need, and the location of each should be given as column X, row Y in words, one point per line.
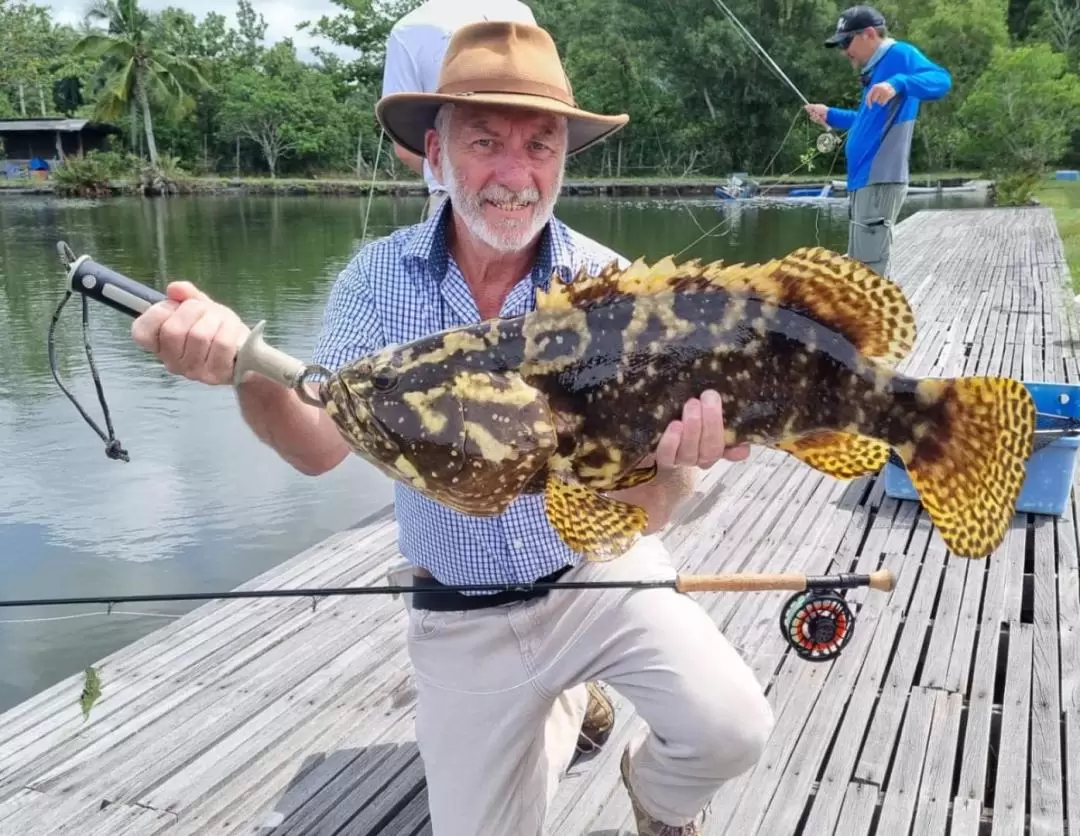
column 955, row 709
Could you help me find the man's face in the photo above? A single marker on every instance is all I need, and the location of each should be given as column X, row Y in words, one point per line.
column 503, row 171
column 860, row 47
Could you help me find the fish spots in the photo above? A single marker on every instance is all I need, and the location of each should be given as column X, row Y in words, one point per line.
column 408, row 469
column 654, row 317
column 440, row 351
column 431, row 419
column 554, row 341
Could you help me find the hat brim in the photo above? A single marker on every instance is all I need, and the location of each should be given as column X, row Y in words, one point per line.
column 835, row 39
column 407, row 117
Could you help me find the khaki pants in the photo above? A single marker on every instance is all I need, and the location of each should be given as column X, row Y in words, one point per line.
column 500, row 698
column 872, row 214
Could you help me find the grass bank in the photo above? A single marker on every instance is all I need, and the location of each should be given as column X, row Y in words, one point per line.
column 1064, row 198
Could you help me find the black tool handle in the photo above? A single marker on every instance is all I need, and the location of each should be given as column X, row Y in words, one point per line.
column 111, row 288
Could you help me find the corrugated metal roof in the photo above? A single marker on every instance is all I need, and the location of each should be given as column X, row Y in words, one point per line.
column 43, row 124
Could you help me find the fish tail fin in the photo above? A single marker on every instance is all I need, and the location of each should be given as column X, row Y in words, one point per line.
column 967, row 457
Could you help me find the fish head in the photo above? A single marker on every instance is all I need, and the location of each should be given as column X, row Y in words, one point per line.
column 467, row 438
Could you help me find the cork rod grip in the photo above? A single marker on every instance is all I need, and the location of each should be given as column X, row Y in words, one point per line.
column 795, row 581
column 740, row 583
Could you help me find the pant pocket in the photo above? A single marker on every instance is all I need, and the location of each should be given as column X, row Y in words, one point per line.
column 870, row 240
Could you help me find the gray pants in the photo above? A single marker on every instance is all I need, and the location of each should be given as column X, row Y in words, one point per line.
column 872, row 213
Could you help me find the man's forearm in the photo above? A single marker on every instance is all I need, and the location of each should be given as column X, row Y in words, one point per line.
column 301, row 434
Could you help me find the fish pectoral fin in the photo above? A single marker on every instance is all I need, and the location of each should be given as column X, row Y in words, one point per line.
column 590, row 523
column 841, row 455
column 637, row 476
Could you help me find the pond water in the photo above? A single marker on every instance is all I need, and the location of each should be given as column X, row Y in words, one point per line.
column 203, row 505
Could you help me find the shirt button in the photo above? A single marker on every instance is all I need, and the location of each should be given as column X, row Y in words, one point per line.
column 518, row 543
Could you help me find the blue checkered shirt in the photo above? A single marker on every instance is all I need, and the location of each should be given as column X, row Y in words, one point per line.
column 403, row 287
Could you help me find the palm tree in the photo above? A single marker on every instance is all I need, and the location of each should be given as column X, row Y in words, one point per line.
column 137, row 66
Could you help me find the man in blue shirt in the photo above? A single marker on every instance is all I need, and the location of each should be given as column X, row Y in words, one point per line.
column 499, row 677
column 896, row 77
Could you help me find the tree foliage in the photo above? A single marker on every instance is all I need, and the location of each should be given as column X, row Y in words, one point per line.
column 224, row 101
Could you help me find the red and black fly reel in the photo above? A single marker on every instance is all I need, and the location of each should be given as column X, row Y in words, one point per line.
column 817, row 624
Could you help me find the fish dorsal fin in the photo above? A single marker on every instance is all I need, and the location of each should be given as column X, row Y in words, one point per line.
column 837, row 291
column 866, row 307
column 638, row 279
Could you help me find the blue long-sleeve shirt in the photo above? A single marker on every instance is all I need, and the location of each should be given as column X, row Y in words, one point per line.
column 874, row 153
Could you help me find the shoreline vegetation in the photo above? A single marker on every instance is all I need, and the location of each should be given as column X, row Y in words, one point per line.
column 1063, row 198
column 354, row 187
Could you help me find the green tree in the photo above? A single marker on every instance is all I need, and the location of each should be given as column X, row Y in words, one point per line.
column 1020, row 112
column 137, row 67
column 961, row 36
column 286, row 108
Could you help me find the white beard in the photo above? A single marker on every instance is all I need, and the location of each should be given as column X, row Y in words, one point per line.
column 508, row 235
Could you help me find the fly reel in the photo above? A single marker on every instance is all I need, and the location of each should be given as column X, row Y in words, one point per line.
column 817, row 624
column 827, row 142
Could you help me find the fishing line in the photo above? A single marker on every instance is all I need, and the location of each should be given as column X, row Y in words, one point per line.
column 760, row 49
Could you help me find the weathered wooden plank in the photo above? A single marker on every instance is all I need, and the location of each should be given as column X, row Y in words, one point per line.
column 981, row 693
column 885, row 726
column 1047, row 803
column 944, row 632
column 860, row 803
column 325, row 559
column 128, row 764
column 242, row 755
column 902, row 791
column 966, row 818
column 826, row 807
column 1010, row 788
column 931, row 814
column 126, row 684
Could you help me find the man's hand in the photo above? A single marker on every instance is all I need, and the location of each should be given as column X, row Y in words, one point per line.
column 698, row 439
column 817, row 113
column 880, row 93
column 191, row 334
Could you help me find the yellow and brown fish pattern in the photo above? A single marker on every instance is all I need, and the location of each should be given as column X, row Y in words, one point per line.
column 568, row 399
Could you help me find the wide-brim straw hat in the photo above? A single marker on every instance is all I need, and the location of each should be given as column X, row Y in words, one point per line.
column 497, row 63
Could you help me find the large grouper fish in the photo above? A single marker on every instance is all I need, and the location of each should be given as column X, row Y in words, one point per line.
column 569, row 399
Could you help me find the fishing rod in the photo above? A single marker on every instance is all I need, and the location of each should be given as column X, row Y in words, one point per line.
column 826, row 142
column 816, row 621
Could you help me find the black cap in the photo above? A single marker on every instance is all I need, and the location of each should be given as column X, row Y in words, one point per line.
column 852, row 20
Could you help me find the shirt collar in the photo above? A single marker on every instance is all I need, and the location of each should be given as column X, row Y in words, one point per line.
column 555, row 253
column 879, row 53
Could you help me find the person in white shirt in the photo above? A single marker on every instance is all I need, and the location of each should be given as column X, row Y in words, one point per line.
column 414, row 55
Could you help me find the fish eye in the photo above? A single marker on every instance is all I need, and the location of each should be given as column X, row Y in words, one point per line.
column 384, row 381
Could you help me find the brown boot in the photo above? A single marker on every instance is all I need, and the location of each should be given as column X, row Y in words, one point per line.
column 599, row 720
column 646, row 824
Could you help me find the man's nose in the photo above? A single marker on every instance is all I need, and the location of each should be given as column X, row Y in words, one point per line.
column 513, row 171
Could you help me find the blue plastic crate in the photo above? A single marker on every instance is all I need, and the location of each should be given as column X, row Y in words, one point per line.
column 1049, row 470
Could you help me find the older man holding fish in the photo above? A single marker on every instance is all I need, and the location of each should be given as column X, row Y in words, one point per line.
column 500, row 675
